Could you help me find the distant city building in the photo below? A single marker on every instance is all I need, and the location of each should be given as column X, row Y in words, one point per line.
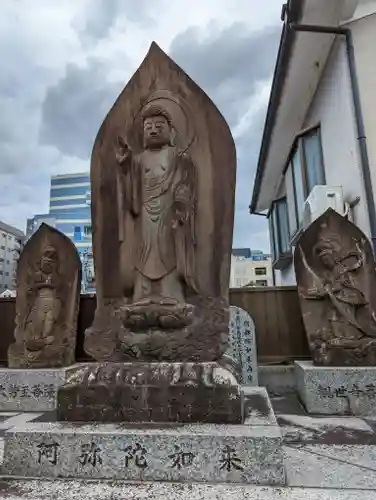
column 11, row 244
column 250, row 268
column 70, row 213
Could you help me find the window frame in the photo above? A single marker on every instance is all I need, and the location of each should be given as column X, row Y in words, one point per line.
column 263, row 269
column 262, row 283
column 88, row 231
column 280, row 259
column 298, row 146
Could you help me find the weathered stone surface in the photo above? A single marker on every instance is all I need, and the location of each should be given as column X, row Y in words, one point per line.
column 48, row 294
column 258, row 408
column 151, row 392
column 242, row 345
column 29, row 390
column 163, row 182
column 213, row 453
column 278, row 380
column 336, row 276
column 337, row 390
column 81, row 489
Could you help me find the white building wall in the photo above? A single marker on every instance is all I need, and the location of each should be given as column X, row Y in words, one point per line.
column 243, row 272
column 364, row 36
column 9, row 253
column 332, row 109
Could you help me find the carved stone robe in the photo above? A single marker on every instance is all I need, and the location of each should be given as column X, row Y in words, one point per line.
column 157, row 208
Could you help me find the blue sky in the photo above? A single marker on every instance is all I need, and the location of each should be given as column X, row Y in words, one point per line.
column 64, row 63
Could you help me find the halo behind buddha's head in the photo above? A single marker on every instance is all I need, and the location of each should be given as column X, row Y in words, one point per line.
column 174, row 109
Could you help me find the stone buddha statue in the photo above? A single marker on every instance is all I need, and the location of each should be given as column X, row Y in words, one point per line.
column 162, row 180
column 158, row 208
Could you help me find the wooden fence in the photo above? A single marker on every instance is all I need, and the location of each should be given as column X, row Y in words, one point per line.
column 275, row 310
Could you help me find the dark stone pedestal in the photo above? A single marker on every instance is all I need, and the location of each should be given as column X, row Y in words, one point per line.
column 151, row 392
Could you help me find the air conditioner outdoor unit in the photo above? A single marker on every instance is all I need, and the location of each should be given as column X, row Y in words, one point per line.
column 320, row 199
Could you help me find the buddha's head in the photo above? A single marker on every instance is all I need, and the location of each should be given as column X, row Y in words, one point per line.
column 157, row 128
column 327, row 250
column 49, row 260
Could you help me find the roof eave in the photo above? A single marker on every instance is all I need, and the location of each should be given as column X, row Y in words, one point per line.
column 294, row 13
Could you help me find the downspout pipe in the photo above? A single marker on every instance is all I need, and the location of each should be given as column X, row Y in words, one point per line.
column 362, row 139
column 273, row 270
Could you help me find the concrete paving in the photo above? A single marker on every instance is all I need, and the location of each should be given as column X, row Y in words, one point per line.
column 83, row 490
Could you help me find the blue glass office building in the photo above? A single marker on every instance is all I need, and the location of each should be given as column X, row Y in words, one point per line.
column 70, row 213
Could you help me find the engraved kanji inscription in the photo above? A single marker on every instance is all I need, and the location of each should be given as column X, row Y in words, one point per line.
column 181, row 458
column 24, row 391
column 136, row 455
column 49, row 390
column 13, row 390
column 230, row 460
column 37, row 391
column 48, row 451
column 90, row 454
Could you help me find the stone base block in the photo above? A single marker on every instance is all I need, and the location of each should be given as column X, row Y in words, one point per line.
column 147, row 452
column 30, row 390
column 151, row 392
column 340, row 390
column 278, row 380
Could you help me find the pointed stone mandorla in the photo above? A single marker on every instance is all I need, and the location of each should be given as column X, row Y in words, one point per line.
column 47, row 303
column 163, row 171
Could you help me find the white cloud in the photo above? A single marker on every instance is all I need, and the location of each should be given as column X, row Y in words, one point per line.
column 257, row 102
column 40, row 41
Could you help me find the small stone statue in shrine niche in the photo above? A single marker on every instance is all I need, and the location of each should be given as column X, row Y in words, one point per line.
column 48, row 291
column 335, row 273
column 163, row 182
column 159, row 187
column 46, row 306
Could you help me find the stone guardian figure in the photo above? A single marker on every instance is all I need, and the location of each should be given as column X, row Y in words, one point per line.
column 47, row 303
column 336, row 277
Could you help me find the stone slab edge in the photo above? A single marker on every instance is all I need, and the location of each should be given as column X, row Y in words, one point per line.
column 210, row 453
column 278, row 380
column 102, row 490
column 343, row 390
column 31, row 390
column 258, row 408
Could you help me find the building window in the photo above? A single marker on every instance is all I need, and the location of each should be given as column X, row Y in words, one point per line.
column 304, row 171
column 2, row 247
column 87, row 231
column 4, row 235
column 261, row 283
column 260, row 271
column 1, row 273
column 280, row 232
column 8, row 262
column 6, row 273
column 77, row 233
